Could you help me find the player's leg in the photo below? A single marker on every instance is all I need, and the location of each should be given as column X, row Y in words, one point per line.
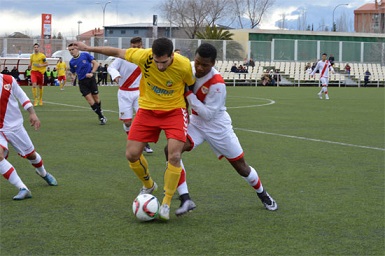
column 139, row 133
column 9, row 173
column 34, row 77
column 41, row 88
column 37, row 162
column 325, row 88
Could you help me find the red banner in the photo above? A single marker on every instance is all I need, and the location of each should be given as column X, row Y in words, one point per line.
column 46, row 23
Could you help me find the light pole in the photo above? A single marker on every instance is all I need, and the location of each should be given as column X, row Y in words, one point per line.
column 334, row 25
column 104, row 9
column 79, row 22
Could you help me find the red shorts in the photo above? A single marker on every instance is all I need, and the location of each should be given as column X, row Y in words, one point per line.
column 37, row 77
column 61, row 78
column 148, row 124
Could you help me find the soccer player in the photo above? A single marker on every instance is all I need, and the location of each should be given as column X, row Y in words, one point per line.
column 84, row 65
column 128, row 76
column 13, row 132
column 161, row 107
column 38, row 62
column 210, row 122
column 61, row 70
column 323, row 66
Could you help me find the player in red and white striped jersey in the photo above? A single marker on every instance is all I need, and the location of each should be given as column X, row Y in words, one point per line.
column 13, row 132
column 323, row 66
column 128, row 76
column 210, row 122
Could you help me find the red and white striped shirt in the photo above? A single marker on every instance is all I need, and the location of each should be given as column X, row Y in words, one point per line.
column 130, row 74
column 10, row 96
column 323, row 67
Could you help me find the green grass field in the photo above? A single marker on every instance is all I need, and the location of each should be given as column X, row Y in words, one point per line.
column 322, row 161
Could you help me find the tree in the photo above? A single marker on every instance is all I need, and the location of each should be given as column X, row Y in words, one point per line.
column 253, row 10
column 193, row 15
column 213, row 32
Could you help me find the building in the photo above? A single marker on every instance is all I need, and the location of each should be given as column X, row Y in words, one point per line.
column 144, row 30
column 370, row 18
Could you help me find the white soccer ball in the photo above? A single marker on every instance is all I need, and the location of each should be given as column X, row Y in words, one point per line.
column 145, row 207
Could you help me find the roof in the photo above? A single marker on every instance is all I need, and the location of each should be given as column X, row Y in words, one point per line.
column 141, row 25
column 93, row 32
column 372, row 8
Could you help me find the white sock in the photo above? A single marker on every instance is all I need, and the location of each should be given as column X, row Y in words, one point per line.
column 126, row 129
column 254, row 180
column 10, row 174
column 182, row 184
column 38, row 164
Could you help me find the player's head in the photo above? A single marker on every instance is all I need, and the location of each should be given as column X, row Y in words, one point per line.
column 36, row 47
column 177, row 51
column 136, row 42
column 73, row 50
column 162, row 50
column 204, row 59
column 324, row 56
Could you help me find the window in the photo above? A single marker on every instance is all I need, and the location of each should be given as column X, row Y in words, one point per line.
column 123, row 32
column 110, row 31
column 136, row 32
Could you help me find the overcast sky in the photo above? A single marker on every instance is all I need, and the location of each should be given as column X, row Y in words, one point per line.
column 25, row 16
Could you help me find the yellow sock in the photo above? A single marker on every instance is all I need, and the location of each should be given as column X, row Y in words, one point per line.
column 41, row 93
column 140, row 168
column 34, row 92
column 171, row 179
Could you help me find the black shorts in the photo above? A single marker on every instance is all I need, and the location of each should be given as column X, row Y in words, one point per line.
column 87, row 86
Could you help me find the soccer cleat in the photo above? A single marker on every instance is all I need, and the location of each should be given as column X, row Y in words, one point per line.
column 145, row 190
column 49, row 179
column 326, row 96
column 23, row 194
column 186, row 206
column 147, row 149
column 164, row 212
column 41, row 102
column 103, row 121
column 35, row 102
column 267, row 201
column 320, row 95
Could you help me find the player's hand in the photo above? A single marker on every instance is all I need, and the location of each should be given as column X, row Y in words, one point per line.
column 81, row 46
column 34, row 121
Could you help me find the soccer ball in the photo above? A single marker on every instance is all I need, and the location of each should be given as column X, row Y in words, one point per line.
column 145, row 207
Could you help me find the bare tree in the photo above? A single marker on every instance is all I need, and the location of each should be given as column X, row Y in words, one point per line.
column 253, row 10
column 193, row 15
column 302, row 20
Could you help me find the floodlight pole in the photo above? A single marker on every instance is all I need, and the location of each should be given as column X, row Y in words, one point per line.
column 104, row 9
column 334, row 25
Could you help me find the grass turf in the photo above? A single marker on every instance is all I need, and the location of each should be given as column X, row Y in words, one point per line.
column 323, row 162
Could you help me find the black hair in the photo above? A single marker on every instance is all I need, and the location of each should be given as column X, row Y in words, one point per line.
column 162, row 46
column 207, row 50
column 324, row 54
column 136, row 40
column 36, row 44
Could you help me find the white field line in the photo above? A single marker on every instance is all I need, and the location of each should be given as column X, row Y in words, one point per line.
column 255, row 131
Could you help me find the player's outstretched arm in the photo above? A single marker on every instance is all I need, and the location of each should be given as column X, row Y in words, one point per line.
column 33, row 119
column 106, row 50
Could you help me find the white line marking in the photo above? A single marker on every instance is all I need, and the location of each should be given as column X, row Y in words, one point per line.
column 74, row 106
column 269, row 102
column 310, row 139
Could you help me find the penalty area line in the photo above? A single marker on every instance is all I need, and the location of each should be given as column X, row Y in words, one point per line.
column 310, row 139
column 75, row 106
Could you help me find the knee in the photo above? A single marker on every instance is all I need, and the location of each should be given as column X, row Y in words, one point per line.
column 174, row 158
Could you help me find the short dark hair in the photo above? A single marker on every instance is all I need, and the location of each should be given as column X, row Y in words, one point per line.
column 162, row 46
column 324, row 54
column 207, row 50
column 71, row 44
column 136, row 40
column 36, row 44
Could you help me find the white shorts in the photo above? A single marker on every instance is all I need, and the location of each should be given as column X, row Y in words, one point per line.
column 219, row 135
column 128, row 103
column 19, row 139
column 324, row 81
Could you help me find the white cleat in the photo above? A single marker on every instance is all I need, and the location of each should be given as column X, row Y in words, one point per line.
column 145, row 190
column 320, row 95
column 164, row 212
column 186, row 207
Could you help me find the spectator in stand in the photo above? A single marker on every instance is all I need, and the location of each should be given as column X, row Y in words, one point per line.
column 251, row 63
column 366, row 77
column 347, row 69
column 275, row 78
column 242, row 69
column 331, row 59
column 27, row 75
column 5, row 71
column 48, row 77
column 265, row 79
column 54, row 76
column 15, row 73
column 308, row 68
column 234, row 68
